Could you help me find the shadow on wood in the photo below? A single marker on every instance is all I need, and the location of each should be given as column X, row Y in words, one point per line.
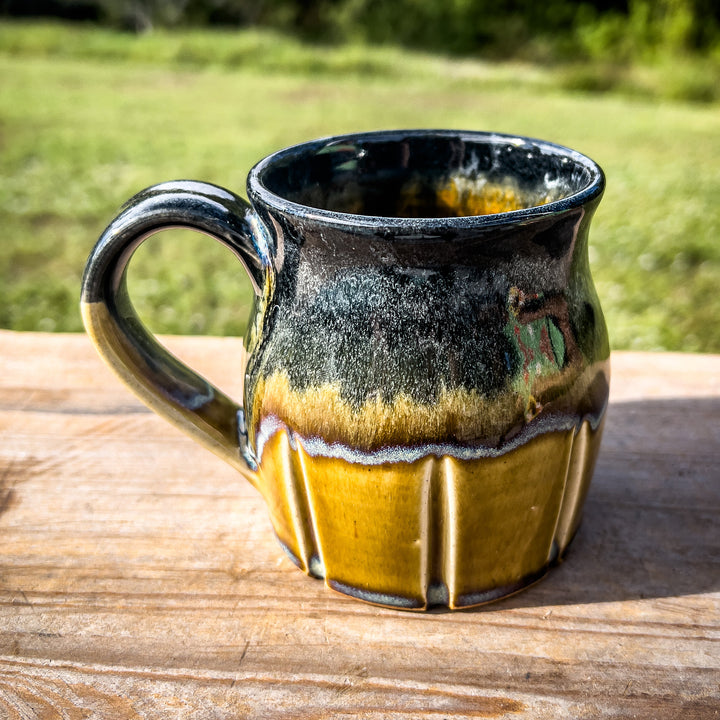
column 650, row 522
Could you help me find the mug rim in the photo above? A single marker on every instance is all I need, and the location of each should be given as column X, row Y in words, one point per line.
column 259, row 193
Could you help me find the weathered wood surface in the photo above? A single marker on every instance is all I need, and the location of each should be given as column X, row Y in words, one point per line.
column 139, row 576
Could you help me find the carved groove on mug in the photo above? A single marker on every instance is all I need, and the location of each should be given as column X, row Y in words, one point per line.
column 291, row 473
column 584, row 455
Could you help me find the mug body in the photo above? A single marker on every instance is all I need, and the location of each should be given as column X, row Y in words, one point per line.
column 428, row 369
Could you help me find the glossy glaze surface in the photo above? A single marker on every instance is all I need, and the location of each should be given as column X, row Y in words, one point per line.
column 425, row 385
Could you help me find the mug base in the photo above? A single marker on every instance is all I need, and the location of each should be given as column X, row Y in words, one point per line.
column 438, row 596
column 456, row 534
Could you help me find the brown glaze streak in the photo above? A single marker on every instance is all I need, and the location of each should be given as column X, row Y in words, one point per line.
column 461, row 416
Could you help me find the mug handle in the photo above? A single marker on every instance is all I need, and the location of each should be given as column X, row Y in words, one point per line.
column 160, row 380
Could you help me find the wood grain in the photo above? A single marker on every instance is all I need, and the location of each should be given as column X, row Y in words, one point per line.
column 139, row 577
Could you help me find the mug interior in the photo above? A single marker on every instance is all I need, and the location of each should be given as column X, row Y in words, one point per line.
column 426, row 175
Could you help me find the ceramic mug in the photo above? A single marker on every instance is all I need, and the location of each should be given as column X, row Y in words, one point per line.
column 427, row 361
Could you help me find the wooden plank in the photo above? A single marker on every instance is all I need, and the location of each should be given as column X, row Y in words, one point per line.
column 139, row 576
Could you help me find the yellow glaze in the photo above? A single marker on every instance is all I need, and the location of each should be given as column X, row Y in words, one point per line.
column 461, row 197
column 433, row 531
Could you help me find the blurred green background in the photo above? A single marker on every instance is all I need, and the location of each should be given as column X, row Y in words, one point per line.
column 99, row 99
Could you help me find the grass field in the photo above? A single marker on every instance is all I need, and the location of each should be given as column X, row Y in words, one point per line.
column 88, row 118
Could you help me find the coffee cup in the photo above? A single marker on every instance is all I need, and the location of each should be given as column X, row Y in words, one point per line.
column 427, row 362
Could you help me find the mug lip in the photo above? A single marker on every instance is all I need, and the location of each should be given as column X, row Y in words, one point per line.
column 259, row 193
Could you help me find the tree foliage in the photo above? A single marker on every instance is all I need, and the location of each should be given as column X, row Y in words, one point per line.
column 610, row 28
